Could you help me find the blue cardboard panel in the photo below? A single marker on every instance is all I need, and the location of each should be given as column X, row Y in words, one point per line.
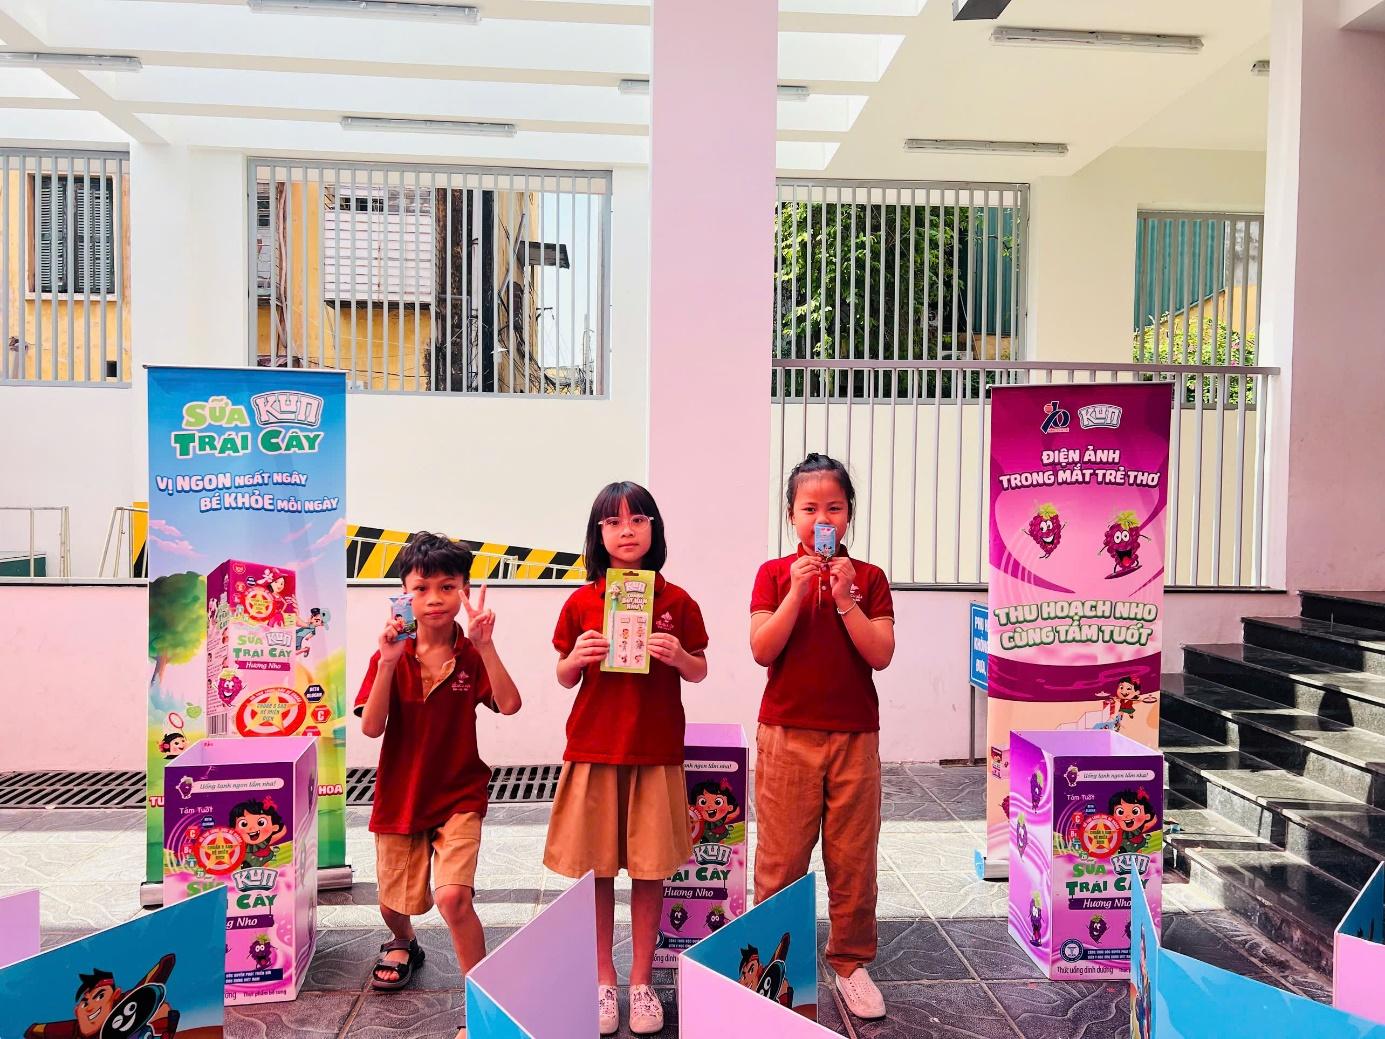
column 771, row 948
column 1144, row 966
column 1366, row 917
column 486, row 1019
column 155, row 975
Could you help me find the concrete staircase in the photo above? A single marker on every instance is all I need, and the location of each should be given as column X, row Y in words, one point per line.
column 1276, row 766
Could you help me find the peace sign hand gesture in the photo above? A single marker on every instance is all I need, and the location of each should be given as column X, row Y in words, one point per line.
column 480, row 622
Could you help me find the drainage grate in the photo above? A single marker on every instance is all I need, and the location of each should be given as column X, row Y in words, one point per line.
column 71, row 789
column 513, row 784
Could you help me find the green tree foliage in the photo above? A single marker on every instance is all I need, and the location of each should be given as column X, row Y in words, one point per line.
column 177, row 619
column 1211, row 343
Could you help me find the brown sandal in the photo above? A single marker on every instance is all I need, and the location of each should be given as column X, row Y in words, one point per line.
column 403, row 972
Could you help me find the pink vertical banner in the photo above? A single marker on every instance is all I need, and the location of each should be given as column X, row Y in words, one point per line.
column 1078, row 497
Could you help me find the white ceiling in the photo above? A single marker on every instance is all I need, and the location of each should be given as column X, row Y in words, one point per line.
column 217, row 74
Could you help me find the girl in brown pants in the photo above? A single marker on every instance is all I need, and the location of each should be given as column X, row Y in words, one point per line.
column 822, row 626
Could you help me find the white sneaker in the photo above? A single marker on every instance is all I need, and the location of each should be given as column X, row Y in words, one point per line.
column 646, row 1012
column 861, row 996
column 608, row 1010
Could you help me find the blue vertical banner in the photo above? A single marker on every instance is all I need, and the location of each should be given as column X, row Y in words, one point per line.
column 978, row 652
column 247, row 573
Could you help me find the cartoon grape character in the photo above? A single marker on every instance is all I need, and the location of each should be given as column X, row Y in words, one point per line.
column 261, row 951
column 1127, row 930
column 1046, row 528
column 1036, row 919
column 716, row 919
column 1071, row 775
column 1021, row 835
column 1005, row 806
column 1096, row 927
column 678, row 916
column 1122, row 544
column 1036, row 789
column 228, row 685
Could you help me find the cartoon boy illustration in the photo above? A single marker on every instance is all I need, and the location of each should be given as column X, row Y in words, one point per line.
column 769, row 980
column 173, row 744
column 259, row 825
column 98, row 997
column 1135, row 812
column 304, row 633
column 716, row 807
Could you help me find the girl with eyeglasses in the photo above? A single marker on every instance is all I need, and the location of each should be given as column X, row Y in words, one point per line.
column 621, row 801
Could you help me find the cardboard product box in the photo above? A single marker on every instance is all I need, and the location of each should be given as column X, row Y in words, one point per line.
column 710, row 888
column 243, row 813
column 1086, row 823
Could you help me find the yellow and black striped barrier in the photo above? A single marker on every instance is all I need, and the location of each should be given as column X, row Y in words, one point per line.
column 373, row 553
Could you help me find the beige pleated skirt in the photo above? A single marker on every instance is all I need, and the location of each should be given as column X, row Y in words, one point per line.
column 612, row 817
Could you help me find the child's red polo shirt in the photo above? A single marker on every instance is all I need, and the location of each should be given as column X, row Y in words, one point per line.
column 623, row 719
column 430, row 769
column 820, row 680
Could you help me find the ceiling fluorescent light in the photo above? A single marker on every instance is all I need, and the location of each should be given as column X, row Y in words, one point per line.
column 787, row 91
column 1082, row 38
column 925, row 144
column 475, row 129
column 1260, row 68
column 51, row 60
column 380, row 8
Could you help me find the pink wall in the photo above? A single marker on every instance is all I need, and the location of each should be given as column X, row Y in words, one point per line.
column 76, row 660
column 712, row 167
column 1324, row 274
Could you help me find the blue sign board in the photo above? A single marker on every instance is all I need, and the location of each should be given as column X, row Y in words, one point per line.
column 979, row 646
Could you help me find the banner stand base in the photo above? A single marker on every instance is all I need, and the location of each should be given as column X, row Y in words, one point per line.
column 990, row 869
column 329, row 878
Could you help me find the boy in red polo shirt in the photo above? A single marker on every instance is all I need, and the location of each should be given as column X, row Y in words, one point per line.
column 430, row 788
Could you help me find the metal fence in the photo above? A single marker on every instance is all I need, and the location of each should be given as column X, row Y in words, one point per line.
column 426, row 279
column 65, row 267
column 1197, row 288
column 914, row 435
column 877, row 271
column 30, row 536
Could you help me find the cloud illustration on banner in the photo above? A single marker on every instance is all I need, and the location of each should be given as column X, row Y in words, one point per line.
column 164, row 527
column 337, row 532
column 180, row 547
column 294, row 535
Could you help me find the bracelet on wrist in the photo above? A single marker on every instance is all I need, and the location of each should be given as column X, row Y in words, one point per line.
column 843, row 613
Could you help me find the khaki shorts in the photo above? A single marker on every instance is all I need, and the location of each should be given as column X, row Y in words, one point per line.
column 405, row 862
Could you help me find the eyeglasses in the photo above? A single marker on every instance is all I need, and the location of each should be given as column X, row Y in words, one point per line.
column 637, row 523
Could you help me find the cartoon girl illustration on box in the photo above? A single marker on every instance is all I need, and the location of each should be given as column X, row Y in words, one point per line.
column 274, row 582
column 1134, row 811
column 259, row 824
column 716, row 807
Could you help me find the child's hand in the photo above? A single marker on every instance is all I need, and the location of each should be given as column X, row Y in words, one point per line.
column 391, row 651
column 803, row 574
column 480, row 622
column 666, row 648
column 843, row 574
column 591, row 648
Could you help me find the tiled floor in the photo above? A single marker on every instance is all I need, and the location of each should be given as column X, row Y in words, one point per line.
column 946, row 964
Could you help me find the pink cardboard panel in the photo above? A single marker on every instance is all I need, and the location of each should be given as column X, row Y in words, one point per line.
column 711, row 1006
column 544, row 975
column 19, row 932
column 1357, row 969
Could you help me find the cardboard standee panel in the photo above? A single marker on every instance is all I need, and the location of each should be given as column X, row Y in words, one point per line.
column 19, row 928
column 1086, row 828
column 540, row 983
column 757, row 976
column 149, row 978
column 1358, row 960
column 244, row 813
column 709, row 890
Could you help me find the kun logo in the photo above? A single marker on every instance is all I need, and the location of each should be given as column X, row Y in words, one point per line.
column 1099, row 416
column 256, row 878
column 287, row 408
column 711, row 854
column 1130, row 863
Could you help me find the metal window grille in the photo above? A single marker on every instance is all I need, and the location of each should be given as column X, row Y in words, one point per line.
column 65, row 267
column 432, row 278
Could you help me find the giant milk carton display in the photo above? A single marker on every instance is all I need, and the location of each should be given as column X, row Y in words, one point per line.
column 710, row 888
column 244, row 813
column 1086, row 823
column 252, row 625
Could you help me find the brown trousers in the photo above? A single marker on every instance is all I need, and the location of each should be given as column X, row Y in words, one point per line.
column 809, row 782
